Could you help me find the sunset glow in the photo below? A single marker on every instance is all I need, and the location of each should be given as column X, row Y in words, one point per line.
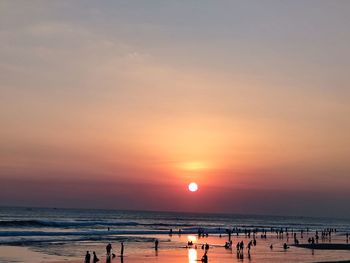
column 173, row 130
column 133, row 101
column 194, row 166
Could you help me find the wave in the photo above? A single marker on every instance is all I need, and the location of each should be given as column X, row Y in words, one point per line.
column 42, row 223
column 78, row 233
column 67, row 224
column 128, row 227
column 61, row 240
column 111, row 233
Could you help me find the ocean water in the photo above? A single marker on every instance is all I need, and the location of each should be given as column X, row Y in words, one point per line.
column 70, row 232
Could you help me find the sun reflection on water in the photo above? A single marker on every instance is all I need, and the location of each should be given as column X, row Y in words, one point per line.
column 192, row 255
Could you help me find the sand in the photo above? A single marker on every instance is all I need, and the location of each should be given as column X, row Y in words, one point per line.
column 217, row 253
column 325, row 246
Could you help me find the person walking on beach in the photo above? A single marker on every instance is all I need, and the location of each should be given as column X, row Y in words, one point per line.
column 87, row 257
column 122, row 249
column 249, row 246
column 205, row 257
column 95, row 259
column 108, row 249
column 241, row 245
column 156, row 244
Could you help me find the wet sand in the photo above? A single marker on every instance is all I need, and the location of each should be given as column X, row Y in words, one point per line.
column 331, row 246
column 173, row 252
column 218, row 254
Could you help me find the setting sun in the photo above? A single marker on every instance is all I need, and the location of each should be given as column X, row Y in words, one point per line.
column 193, row 187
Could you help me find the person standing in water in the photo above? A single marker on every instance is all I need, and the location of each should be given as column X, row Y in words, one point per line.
column 122, row 249
column 108, row 249
column 249, row 246
column 95, row 259
column 156, row 243
column 87, row 257
column 205, row 257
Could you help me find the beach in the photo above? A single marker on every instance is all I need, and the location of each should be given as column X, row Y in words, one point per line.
column 64, row 235
column 216, row 253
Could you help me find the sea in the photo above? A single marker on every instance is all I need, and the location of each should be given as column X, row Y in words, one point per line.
column 70, row 232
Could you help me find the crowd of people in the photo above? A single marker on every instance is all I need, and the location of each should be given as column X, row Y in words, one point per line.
column 109, row 254
column 248, row 233
column 95, row 259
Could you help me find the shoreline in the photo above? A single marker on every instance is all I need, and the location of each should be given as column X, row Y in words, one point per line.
column 325, row 246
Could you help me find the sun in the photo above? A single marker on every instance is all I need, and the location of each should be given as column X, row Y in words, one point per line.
column 193, row 187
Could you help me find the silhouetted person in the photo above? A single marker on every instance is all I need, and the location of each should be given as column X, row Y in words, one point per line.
column 241, row 245
column 156, row 243
column 285, row 246
column 249, row 246
column 108, row 249
column 87, row 257
column 95, row 259
column 206, row 246
column 271, row 246
column 122, row 249
column 205, row 257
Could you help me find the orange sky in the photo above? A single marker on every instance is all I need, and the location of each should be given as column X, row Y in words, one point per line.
column 239, row 97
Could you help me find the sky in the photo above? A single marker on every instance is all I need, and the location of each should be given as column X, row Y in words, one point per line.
column 121, row 104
